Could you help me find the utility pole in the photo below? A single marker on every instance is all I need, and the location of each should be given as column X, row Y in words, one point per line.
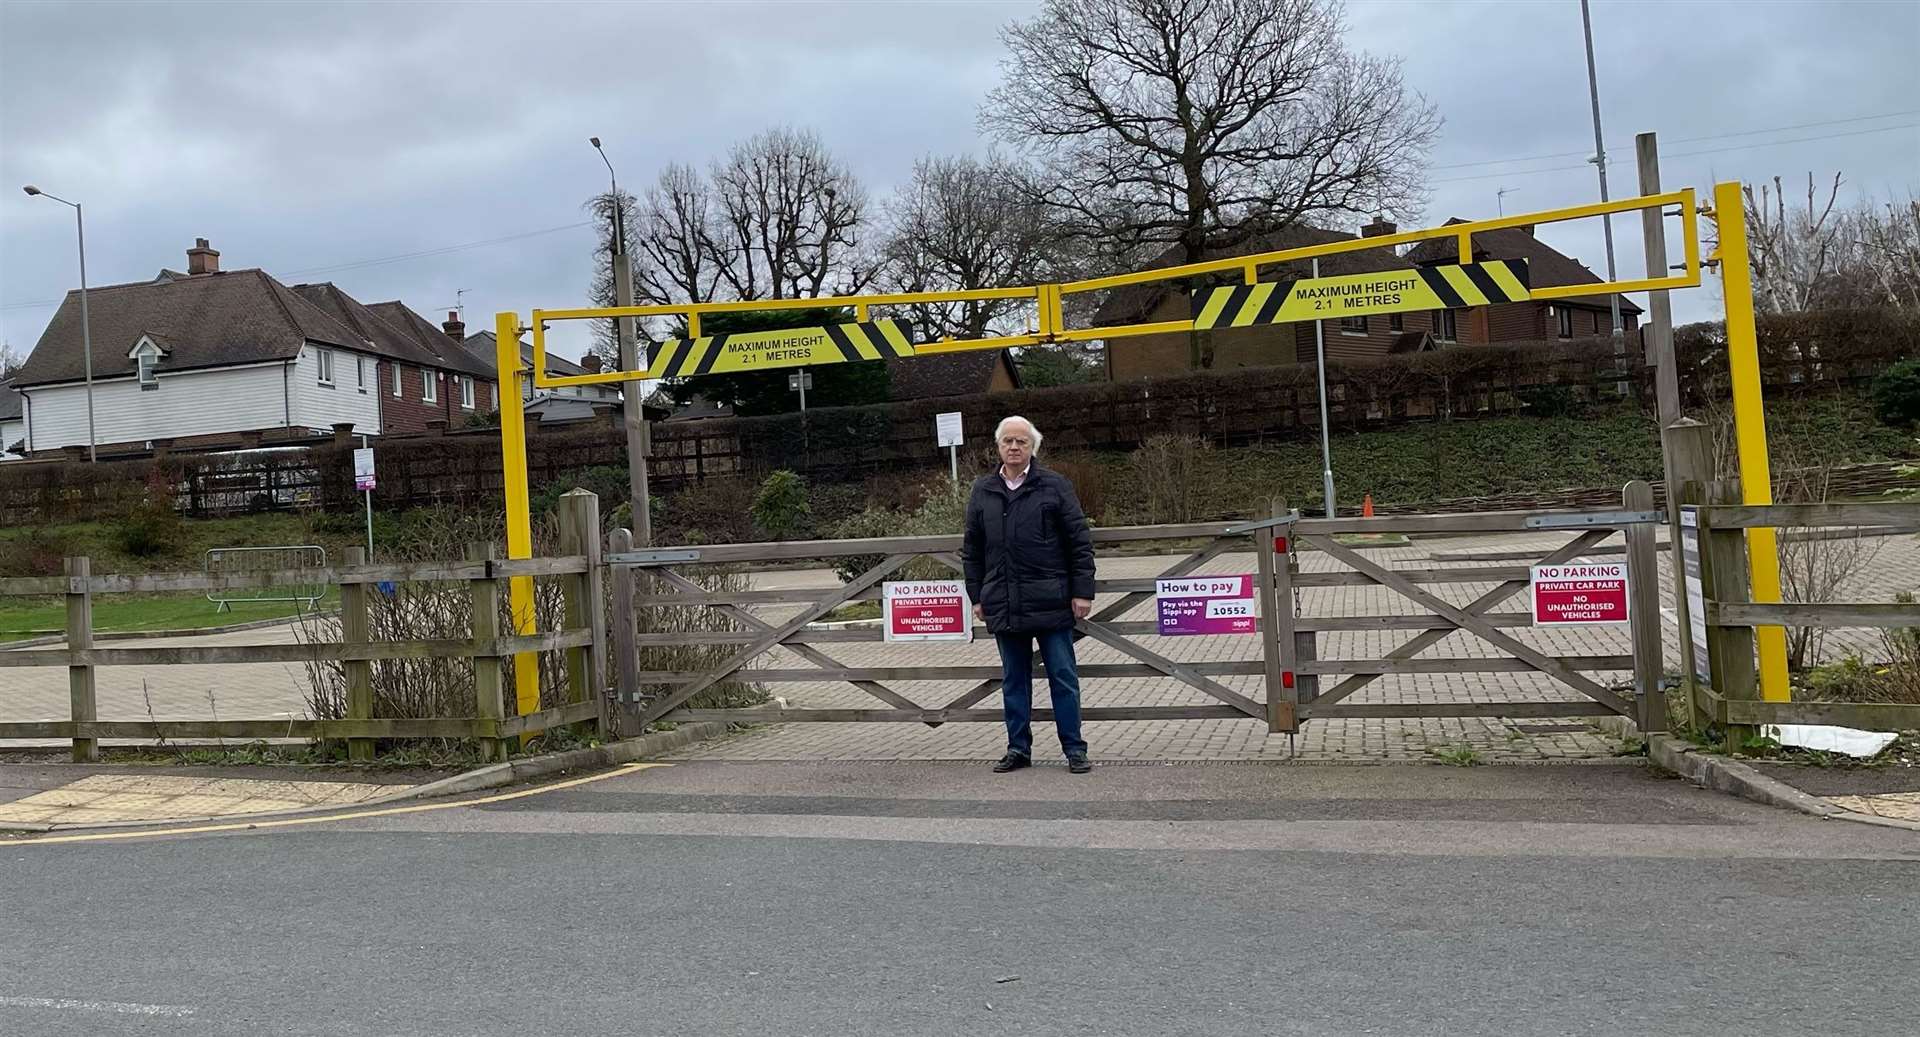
column 633, row 403
column 1599, row 161
column 1326, row 443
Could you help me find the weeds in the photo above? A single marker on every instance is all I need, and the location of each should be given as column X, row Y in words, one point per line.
column 1457, row 756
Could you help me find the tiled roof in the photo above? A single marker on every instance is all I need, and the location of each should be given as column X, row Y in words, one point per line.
column 214, row 320
column 946, row 374
column 437, row 343
column 12, row 404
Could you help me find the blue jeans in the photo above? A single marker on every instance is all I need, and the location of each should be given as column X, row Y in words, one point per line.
column 1063, row 679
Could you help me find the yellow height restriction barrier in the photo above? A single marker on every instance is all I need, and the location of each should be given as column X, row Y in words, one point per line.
column 1469, row 283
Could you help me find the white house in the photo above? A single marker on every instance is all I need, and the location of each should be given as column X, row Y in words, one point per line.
column 13, row 422
column 216, row 358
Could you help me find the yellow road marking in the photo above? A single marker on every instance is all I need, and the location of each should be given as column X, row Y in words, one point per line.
column 240, row 826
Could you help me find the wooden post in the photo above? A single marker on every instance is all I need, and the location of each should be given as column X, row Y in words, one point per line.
column 1658, row 331
column 585, row 605
column 355, row 628
column 1643, row 612
column 1276, row 621
column 83, row 707
column 489, row 696
column 1730, row 650
column 1689, row 449
column 626, row 657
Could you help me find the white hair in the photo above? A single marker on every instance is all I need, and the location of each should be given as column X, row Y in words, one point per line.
column 1000, row 429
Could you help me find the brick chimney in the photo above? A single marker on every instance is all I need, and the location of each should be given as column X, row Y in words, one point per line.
column 201, row 259
column 455, row 328
column 591, row 363
column 1379, row 228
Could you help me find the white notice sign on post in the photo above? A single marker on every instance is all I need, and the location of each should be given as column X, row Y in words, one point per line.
column 363, row 469
column 947, row 427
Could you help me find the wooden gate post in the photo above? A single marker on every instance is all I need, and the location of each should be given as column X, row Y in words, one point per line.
column 1643, row 612
column 585, row 605
column 355, row 628
column 83, row 707
column 1724, row 576
column 489, row 699
column 1689, row 446
column 626, row 653
column 1271, row 544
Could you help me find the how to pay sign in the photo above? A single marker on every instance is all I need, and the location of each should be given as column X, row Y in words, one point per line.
column 1206, row 605
column 1565, row 595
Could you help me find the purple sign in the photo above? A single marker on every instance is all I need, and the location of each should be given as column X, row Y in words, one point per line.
column 1206, row 605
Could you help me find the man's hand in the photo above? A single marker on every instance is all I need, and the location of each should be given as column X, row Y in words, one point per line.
column 1081, row 607
column 979, row 613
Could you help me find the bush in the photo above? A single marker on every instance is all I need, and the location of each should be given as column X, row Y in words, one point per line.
column 944, row 511
column 695, row 658
column 39, row 554
column 780, row 509
column 721, row 510
column 1549, row 401
column 1896, row 393
column 1168, row 470
column 1089, row 481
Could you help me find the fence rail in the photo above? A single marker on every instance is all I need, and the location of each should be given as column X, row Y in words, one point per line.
column 581, row 640
column 1727, row 693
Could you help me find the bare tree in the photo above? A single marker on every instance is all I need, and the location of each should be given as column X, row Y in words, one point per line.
column 672, row 258
column 1793, row 251
column 787, row 218
column 1883, row 261
column 1204, row 122
column 961, row 224
column 9, row 361
column 600, row 289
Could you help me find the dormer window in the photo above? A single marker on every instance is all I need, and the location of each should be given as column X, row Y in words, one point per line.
column 146, row 355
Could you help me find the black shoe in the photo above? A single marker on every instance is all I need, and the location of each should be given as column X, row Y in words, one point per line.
column 1011, row 762
column 1079, row 764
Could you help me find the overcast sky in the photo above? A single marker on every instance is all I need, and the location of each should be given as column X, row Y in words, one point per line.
column 315, row 141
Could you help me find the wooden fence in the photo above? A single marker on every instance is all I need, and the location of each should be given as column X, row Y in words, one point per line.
column 1724, row 686
column 582, row 641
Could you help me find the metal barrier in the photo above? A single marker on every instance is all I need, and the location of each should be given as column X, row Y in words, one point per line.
column 230, row 561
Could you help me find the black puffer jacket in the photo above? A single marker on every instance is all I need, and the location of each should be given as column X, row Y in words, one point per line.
column 1028, row 553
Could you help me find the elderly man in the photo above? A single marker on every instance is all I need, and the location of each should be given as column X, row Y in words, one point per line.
column 1029, row 562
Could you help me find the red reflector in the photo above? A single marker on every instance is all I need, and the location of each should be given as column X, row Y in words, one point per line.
column 1286, row 678
column 1279, row 545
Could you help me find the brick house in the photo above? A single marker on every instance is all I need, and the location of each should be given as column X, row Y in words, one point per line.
column 1369, row 337
column 212, row 358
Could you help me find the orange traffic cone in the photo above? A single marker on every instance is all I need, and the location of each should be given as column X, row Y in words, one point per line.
column 1366, row 507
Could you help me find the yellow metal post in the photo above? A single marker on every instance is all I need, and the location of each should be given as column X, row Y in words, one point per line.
column 1750, row 428
column 513, row 462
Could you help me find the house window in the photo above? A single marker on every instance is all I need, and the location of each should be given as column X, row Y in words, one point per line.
column 1566, row 321
column 360, row 370
column 1353, row 325
column 1596, row 323
column 396, row 381
column 1396, row 322
column 1446, row 325
column 323, row 358
column 148, row 380
column 429, row 385
column 466, row 392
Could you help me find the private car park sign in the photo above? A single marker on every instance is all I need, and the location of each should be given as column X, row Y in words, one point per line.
column 1578, row 595
column 927, row 610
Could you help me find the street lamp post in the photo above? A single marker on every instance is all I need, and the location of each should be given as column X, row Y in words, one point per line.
column 86, row 325
column 633, row 403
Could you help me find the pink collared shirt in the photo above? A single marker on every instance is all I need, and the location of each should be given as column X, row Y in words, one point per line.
column 1013, row 481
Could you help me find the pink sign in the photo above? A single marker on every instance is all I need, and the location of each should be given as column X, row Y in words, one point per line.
column 928, row 610
column 1206, row 605
column 1579, row 594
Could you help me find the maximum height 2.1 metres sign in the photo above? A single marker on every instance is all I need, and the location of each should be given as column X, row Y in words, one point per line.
column 1575, row 595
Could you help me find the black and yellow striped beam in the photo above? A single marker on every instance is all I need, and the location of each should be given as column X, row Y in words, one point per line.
column 1354, row 295
column 790, row 347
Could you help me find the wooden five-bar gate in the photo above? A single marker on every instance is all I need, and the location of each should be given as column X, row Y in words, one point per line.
column 1286, row 672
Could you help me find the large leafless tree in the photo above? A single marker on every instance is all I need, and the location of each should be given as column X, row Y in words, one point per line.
column 1815, row 253
column 961, row 224
column 787, row 217
column 1204, row 122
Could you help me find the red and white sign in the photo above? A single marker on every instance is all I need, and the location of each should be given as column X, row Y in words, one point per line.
column 1579, row 594
column 928, row 610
